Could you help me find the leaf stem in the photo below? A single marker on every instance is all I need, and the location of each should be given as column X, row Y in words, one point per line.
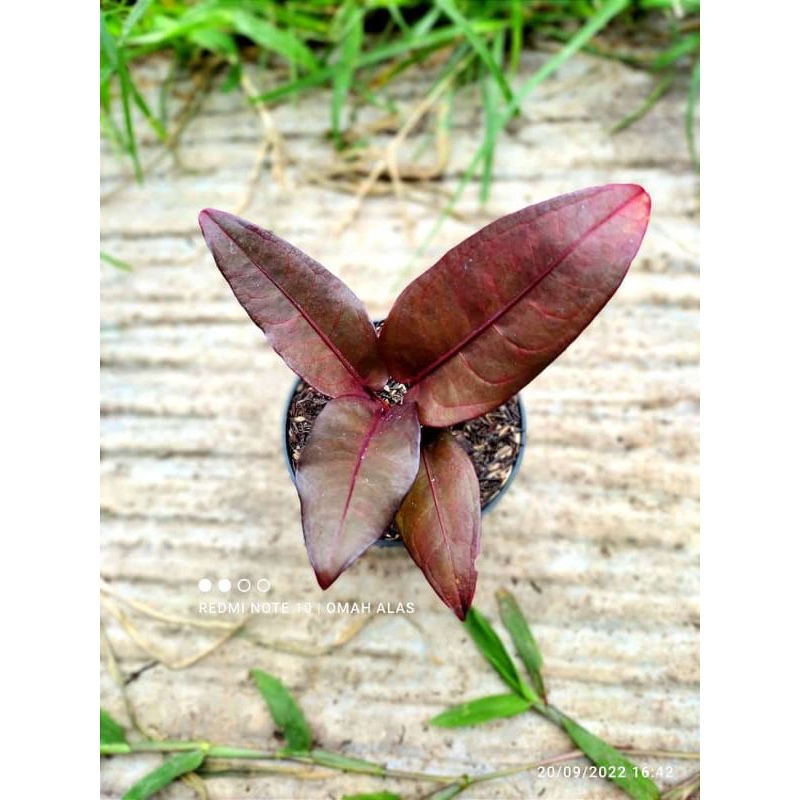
column 319, row 758
column 333, row 761
column 172, row 746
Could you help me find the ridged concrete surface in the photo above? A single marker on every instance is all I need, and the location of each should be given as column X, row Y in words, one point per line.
column 597, row 537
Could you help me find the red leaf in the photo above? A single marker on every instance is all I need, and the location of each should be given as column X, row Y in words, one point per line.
column 499, row 307
column 314, row 322
column 440, row 521
column 357, row 466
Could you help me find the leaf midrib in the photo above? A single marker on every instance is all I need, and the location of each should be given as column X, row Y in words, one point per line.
column 322, row 335
column 362, row 452
column 458, row 347
column 442, row 528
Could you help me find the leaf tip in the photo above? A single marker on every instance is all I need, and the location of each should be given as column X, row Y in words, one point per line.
column 640, row 200
column 204, row 216
column 207, row 224
column 326, row 568
column 634, row 212
column 462, row 610
column 209, row 216
column 645, row 198
column 463, row 605
column 326, row 577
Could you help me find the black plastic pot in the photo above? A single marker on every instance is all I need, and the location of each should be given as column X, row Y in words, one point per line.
column 398, row 542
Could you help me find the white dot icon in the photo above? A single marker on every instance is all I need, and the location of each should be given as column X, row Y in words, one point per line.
column 224, row 585
column 204, row 585
column 243, row 585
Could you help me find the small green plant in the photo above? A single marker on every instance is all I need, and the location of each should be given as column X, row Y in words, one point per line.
column 524, row 697
column 208, row 760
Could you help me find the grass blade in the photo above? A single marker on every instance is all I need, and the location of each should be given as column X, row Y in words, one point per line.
column 345, row 764
column 269, row 37
column 691, row 105
column 111, row 731
column 233, row 78
column 493, row 122
column 478, row 45
column 115, row 262
column 116, row 60
column 396, row 68
column 284, row 710
column 438, row 38
column 215, row 41
column 521, row 635
column 426, row 23
column 313, row 26
column 171, row 769
column 619, row 770
column 492, row 649
column 607, row 12
column 484, row 709
column 397, row 16
column 688, row 6
column 155, row 123
column 109, row 128
column 133, row 152
column 134, row 17
column 349, row 50
column 662, row 87
column 517, row 34
column 683, row 47
column 169, row 30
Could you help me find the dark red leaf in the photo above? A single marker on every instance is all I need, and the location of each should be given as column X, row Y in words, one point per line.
column 499, row 307
column 357, row 466
column 440, row 521
column 315, row 323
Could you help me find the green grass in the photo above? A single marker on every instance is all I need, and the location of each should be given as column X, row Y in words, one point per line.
column 291, row 724
column 358, row 48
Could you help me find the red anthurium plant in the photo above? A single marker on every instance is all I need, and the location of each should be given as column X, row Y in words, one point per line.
column 463, row 338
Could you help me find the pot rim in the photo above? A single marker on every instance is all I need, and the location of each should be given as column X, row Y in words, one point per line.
column 523, row 436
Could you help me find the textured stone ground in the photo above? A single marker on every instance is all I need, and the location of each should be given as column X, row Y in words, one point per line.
column 597, row 537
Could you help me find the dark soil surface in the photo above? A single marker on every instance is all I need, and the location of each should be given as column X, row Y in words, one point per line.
column 492, row 441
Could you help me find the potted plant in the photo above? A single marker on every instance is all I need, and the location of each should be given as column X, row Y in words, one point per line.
column 460, row 341
column 494, row 442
